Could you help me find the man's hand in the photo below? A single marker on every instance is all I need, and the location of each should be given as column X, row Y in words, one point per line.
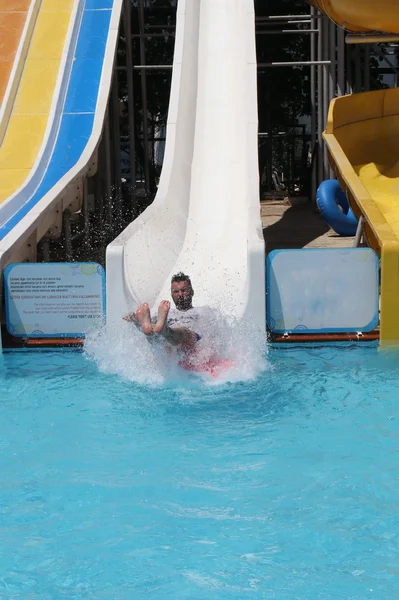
column 131, row 318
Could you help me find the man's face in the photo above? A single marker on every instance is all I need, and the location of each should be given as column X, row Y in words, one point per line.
column 182, row 294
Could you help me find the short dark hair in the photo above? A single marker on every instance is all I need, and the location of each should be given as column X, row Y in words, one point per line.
column 179, row 277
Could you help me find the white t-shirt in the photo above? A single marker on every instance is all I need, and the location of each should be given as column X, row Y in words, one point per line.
column 196, row 319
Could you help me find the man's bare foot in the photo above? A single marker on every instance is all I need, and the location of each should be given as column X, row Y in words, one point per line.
column 144, row 318
column 163, row 311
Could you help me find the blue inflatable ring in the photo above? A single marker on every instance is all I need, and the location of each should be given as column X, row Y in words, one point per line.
column 334, row 207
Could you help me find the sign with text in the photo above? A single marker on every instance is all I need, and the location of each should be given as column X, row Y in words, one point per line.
column 54, row 299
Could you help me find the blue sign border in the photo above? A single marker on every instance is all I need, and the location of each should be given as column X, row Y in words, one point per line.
column 7, row 272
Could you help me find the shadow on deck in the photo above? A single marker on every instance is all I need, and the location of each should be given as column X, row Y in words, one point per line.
column 302, row 226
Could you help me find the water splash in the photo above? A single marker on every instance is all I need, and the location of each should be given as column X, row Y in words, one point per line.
column 125, row 351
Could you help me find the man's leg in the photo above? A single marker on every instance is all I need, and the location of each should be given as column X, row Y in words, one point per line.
column 141, row 317
column 176, row 336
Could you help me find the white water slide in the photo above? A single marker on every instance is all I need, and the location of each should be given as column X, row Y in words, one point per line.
column 205, row 219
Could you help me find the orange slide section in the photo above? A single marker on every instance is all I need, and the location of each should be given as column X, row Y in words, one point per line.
column 362, row 15
column 13, row 15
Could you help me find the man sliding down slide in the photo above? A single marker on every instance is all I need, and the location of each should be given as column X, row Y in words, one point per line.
column 179, row 327
column 184, row 327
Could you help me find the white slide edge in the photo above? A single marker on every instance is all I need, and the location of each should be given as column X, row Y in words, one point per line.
column 167, row 235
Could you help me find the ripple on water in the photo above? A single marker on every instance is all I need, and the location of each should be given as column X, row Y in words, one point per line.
column 282, row 486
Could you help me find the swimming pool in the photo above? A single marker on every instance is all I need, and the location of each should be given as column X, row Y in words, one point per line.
column 284, row 487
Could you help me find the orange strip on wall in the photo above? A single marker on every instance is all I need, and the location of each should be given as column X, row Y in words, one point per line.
column 13, row 15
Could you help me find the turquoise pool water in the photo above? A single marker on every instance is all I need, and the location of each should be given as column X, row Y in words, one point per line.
column 285, row 487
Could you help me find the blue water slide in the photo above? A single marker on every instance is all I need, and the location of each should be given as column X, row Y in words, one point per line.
column 77, row 123
column 334, row 207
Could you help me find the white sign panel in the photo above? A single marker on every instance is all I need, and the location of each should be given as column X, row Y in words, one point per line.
column 53, row 299
column 322, row 290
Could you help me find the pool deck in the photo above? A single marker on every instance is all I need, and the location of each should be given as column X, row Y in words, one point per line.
column 297, row 226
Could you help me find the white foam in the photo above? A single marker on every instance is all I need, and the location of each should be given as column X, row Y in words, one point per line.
column 125, row 351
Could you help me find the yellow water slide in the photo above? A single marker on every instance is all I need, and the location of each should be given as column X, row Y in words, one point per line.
column 362, row 137
column 34, row 64
column 362, row 15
